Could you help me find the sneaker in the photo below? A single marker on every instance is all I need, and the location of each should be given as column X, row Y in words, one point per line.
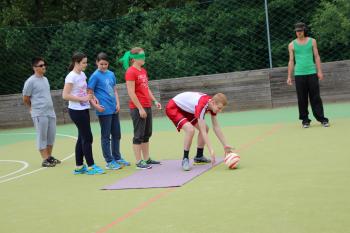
column 306, row 125
column 143, row 165
column 186, row 164
column 201, row 160
column 151, row 161
column 81, row 170
column 95, row 170
column 123, row 162
column 54, row 160
column 113, row 165
column 48, row 163
column 325, row 124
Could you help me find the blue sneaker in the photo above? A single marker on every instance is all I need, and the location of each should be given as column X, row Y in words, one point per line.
column 95, row 170
column 123, row 162
column 82, row 170
column 113, row 165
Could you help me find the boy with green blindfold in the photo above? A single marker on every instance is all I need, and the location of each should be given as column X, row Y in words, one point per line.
column 140, row 104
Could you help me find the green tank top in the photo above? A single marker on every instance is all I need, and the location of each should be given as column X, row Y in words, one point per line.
column 304, row 58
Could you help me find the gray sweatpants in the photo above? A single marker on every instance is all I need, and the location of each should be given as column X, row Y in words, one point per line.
column 45, row 127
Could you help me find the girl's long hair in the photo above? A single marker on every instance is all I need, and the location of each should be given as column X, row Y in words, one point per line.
column 77, row 57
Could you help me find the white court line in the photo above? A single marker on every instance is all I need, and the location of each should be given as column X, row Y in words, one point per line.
column 34, row 171
column 19, row 170
column 39, row 169
column 59, row 134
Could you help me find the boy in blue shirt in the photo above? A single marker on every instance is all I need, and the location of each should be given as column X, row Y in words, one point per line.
column 102, row 84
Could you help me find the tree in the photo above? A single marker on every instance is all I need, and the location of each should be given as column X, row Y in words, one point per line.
column 331, row 24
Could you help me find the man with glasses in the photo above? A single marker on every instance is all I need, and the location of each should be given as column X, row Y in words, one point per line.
column 305, row 61
column 37, row 96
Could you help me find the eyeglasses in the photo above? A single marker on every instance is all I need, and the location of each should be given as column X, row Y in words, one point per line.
column 42, row 65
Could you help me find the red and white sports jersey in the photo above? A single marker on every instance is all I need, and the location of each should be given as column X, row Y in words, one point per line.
column 195, row 103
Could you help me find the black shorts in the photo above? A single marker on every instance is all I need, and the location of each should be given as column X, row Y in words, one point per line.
column 142, row 126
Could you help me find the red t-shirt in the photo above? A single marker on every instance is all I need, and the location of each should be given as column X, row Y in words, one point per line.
column 141, row 86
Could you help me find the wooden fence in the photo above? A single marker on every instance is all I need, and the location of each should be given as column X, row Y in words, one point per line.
column 245, row 90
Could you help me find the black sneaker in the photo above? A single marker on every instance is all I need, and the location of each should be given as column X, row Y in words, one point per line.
column 201, row 160
column 306, row 125
column 47, row 163
column 52, row 159
column 151, row 161
column 325, row 124
column 143, row 165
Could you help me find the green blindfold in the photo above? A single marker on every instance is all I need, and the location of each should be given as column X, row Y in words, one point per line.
column 128, row 55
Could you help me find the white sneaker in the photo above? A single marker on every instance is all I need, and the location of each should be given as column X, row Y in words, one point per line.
column 186, row 164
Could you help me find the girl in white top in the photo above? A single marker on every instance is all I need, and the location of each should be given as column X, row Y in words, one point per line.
column 75, row 90
column 79, row 89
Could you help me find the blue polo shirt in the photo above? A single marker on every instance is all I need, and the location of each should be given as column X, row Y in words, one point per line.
column 103, row 83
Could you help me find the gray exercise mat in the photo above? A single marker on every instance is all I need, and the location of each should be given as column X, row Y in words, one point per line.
column 168, row 174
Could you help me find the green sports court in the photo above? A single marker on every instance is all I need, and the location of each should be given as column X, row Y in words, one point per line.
column 290, row 180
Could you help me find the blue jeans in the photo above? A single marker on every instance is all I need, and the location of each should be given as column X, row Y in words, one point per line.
column 110, row 125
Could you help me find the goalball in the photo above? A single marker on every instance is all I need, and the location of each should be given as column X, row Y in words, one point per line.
column 231, row 160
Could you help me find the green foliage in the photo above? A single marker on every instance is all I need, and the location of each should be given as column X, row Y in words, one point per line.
column 12, row 16
column 283, row 15
column 194, row 39
column 332, row 26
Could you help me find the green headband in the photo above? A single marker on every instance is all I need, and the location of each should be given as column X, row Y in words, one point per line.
column 128, row 55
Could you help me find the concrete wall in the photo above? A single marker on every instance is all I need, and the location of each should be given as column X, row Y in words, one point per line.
column 245, row 90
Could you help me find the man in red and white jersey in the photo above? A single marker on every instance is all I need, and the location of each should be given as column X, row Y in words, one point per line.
column 187, row 111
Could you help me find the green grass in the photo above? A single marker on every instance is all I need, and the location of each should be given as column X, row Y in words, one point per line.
column 290, row 180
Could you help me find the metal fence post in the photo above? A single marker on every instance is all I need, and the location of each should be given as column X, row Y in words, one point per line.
column 268, row 33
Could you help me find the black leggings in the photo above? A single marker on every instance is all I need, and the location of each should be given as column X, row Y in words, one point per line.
column 83, row 147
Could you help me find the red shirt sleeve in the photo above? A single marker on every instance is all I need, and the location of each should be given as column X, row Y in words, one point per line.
column 130, row 75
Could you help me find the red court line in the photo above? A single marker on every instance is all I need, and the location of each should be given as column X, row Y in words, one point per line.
column 136, row 210
column 259, row 138
column 155, row 198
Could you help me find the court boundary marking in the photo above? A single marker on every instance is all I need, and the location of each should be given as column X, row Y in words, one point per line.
column 17, row 171
column 36, row 170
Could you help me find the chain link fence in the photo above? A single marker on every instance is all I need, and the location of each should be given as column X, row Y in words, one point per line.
column 197, row 39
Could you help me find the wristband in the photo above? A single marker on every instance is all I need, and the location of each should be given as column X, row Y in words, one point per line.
column 155, row 102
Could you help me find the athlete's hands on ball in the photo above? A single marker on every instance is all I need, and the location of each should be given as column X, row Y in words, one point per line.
column 228, row 149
